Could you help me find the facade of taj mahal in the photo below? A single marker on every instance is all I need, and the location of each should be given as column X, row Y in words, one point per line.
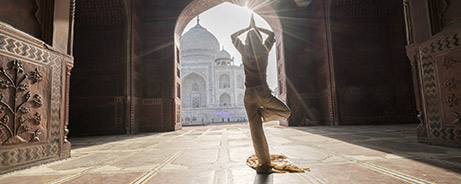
column 212, row 86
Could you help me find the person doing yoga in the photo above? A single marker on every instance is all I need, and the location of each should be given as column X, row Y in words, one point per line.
column 261, row 106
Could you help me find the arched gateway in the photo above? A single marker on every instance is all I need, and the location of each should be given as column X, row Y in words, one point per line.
column 339, row 63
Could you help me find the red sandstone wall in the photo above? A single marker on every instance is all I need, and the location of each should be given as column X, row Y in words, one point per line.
column 346, row 63
column 98, row 97
column 371, row 73
column 434, row 31
column 157, row 105
column 125, row 49
column 306, row 61
column 34, row 80
column 31, row 13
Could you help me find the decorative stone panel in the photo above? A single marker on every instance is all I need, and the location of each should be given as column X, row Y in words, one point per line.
column 31, row 101
column 440, row 63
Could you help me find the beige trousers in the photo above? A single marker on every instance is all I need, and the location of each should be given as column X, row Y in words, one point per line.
column 261, row 107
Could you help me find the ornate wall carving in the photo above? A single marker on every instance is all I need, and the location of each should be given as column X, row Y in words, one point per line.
column 20, row 104
column 20, row 48
column 361, row 8
column 31, row 125
column 101, row 12
column 440, row 63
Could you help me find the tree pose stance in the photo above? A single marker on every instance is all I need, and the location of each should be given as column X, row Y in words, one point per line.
column 261, row 106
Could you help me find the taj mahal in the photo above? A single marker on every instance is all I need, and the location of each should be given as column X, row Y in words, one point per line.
column 212, row 86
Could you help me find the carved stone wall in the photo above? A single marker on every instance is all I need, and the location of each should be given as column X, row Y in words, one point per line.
column 435, row 56
column 147, row 115
column 439, row 65
column 21, row 99
column 31, row 101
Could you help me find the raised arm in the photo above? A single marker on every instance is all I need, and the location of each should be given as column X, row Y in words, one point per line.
column 236, row 41
column 269, row 40
column 259, row 29
column 238, row 33
column 270, row 33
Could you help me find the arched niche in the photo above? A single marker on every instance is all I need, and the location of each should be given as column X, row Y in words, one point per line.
column 193, row 91
column 224, row 81
column 224, row 100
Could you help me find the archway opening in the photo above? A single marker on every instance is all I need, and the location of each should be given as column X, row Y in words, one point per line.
column 223, row 72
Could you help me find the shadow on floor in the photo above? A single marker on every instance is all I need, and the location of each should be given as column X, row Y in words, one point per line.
column 81, row 142
column 264, row 179
column 392, row 139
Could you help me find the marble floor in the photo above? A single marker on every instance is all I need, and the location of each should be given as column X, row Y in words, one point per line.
column 217, row 153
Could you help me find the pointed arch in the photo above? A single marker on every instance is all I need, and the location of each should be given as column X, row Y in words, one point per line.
column 193, row 91
column 260, row 7
column 224, row 81
column 225, row 100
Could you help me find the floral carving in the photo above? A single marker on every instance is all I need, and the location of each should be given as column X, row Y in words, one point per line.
column 37, row 100
column 26, row 127
column 5, row 84
column 452, row 100
column 5, row 120
column 451, row 83
column 449, row 61
column 16, row 104
column 457, row 117
column 35, row 76
column 37, row 118
column 23, row 87
column 16, row 65
column 35, row 135
column 24, row 110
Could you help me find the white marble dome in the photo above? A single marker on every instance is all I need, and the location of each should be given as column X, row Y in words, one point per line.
column 223, row 55
column 198, row 38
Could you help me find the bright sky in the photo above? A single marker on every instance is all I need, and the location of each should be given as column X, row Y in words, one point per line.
column 227, row 18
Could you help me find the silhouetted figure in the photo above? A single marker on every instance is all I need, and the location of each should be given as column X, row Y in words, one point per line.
column 260, row 104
